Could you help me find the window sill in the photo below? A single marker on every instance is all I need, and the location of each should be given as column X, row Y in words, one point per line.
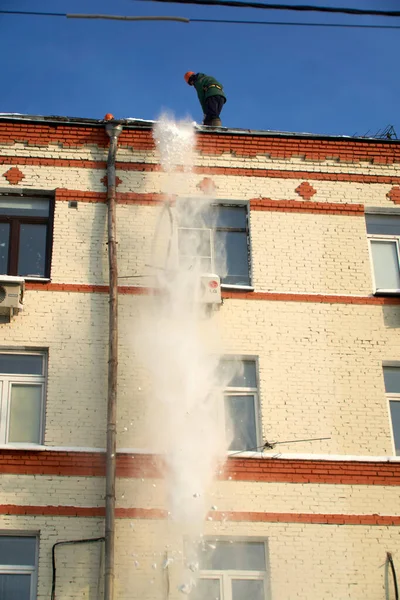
column 382, row 292
column 21, row 446
column 38, row 279
column 232, row 286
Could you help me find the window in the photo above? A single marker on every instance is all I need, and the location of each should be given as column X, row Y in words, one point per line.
column 22, row 386
column 231, row 570
column 25, row 235
column 216, row 240
column 384, row 238
column 18, row 567
column 240, row 404
column 391, row 377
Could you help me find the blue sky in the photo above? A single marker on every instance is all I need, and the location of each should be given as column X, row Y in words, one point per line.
column 318, row 80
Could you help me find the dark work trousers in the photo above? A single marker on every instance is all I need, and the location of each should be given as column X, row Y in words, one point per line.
column 214, row 106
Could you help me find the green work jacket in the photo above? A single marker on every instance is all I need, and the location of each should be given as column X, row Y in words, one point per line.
column 206, row 86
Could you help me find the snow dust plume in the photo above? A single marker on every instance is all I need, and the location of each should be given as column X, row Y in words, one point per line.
column 178, row 343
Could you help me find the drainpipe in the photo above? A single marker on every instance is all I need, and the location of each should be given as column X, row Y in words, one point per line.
column 113, row 130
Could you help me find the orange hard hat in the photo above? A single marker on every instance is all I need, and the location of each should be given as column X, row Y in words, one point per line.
column 188, row 75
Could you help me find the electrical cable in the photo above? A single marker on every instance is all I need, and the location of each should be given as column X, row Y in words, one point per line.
column 391, row 563
column 53, row 558
column 298, row 8
column 271, row 445
column 187, row 20
column 286, row 23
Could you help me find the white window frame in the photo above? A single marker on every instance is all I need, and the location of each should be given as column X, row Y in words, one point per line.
column 375, row 237
column 392, row 397
column 210, row 257
column 228, row 204
column 31, row 570
column 250, row 392
column 242, row 391
column 6, row 382
column 227, row 575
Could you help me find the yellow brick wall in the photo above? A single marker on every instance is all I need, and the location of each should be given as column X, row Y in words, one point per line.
column 320, row 370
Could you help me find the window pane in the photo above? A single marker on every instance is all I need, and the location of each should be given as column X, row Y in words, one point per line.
column 206, row 589
column 395, row 414
column 243, row 556
column 24, row 207
column 234, row 266
column 240, row 422
column 246, row 589
column 198, row 265
column 32, row 250
column 17, row 550
column 391, row 376
column 25, row 413
column 239, row 373
column 194, row 242
column 4, row 243
column 230, row 216
column 15, row 587
column 386, row 265
column 383, row 224
column 21, row 364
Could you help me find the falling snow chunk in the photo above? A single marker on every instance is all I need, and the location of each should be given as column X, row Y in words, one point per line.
column 167, row 562
column 196, row 495
column 209, row 519
column 136, row 563
column 154, row 566
column 186, row 588
column 213, row 508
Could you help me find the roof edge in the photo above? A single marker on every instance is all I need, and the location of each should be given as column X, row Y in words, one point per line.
column 134, row 123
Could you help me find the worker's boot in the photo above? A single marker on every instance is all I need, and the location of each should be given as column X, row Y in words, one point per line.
column 216, row 122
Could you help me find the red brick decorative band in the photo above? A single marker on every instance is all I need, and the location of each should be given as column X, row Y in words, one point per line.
column 227, row 295
column 60, row 511
column 258, row 204
column 311, row 298
column 63, row 194
column 92, row 464
column 160, row 514
column 306, row 206
column 308, row 148
column 237, row 171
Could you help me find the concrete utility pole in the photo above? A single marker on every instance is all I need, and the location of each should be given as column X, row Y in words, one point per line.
column 113, row 131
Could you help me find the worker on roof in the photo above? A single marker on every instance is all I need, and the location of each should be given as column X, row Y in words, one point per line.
column 211, row 96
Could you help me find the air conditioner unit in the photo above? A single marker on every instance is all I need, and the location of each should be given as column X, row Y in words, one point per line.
column 210, row 289
column 11, row 294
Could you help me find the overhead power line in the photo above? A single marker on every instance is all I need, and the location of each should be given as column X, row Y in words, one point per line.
column 286, row 23
column 297, row 8
column 83, row 16
column 187, row 20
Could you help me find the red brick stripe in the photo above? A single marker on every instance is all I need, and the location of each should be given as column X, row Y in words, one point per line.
column 258, row 204
column 311, row 298
column 92, row 464
column 306, row 206
column 69, row 135
column 61, row 511
column 160, row 514
column 63, row 194
column 237, row 171
column 232, row 295
column 324, row 519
